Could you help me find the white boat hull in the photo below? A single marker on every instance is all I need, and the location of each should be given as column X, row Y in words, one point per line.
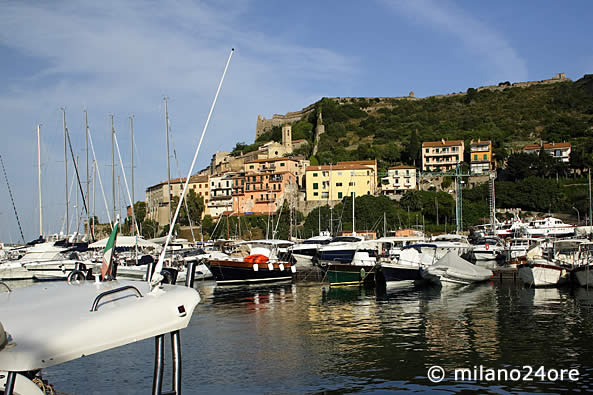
column 10, row 271
column 542, row 274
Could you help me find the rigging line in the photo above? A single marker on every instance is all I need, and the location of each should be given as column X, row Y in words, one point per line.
column 76, row 170
column 121, row 163
column 191, row 228
column 12, row 199
column 100, row 182
column 69, row 196
column 157, row 277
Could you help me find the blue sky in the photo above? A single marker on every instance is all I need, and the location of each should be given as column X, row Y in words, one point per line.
column 121, row 58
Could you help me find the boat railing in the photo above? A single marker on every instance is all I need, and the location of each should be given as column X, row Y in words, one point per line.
column 114, row 291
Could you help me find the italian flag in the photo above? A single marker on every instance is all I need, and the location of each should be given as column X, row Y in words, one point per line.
column 108, row 253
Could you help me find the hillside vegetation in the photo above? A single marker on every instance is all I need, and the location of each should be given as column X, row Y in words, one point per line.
column 392, row 130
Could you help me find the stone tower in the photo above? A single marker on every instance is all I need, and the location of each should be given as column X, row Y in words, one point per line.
column 319, row 130
column 287, row 138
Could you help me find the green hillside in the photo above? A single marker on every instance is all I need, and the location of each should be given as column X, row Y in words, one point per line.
column 392, row 130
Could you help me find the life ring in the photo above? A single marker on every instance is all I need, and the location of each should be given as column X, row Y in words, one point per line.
column 487, row 246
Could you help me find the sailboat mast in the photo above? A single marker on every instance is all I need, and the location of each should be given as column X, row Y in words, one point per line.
column 66, row 169
column 113, row 167
column 132, row 166
column 88, row 180
column 39, row 179
column 168, row 161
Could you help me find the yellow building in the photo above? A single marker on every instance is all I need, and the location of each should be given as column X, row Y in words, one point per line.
column 334, row 182
column 481, row 156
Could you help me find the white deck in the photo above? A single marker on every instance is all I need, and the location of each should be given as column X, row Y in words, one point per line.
column 51, row 323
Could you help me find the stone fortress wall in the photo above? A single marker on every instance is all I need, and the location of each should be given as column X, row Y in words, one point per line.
column 263, row 125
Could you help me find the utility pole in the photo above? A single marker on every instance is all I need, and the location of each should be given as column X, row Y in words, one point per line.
column 590, row 203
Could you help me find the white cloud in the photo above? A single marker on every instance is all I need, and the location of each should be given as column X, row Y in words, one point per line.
column 121, row 58
column 490, row 48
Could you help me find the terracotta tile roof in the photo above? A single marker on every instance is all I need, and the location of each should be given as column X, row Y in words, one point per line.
column 198, row 179
column 359, row 162
column 556, row 145
column 485, row 142
column 532, row 147
column 442, row 143
column 402, row 167
column 339, row 167
column 271, row 160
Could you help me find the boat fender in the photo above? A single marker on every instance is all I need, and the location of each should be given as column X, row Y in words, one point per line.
column 281, row 266
column 293, row 269
column 487, row 246
column 255, row 267
column 270, row 267
column 362, row 273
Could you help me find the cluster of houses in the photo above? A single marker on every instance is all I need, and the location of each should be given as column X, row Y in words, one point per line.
column 259, row 182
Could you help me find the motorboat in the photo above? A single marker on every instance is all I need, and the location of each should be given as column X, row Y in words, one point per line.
column 452, row 269
column 582, row 272
column 85, row 318
column 518, row 247
column 14, row 270
column 412, row 259
column 543, row 272
column 549, row 227
column 341, row 249
column 451, row 242
column 304, row 253
column 488, row 249
column 260, row 264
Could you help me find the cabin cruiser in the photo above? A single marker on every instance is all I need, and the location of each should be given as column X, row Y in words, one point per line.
column 304, row 253
column 452, row 242
column 519, row 246
column 14, row 270
column 582, row 270
column 542, row 272
column 549, row 227
column 412, row 259
column 488, row 249
column 452, row 269
column 342, row 249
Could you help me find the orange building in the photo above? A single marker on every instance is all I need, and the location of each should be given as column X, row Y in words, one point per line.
column 262, row 192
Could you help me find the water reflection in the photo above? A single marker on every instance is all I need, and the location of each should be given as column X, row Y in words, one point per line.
column 296, row 338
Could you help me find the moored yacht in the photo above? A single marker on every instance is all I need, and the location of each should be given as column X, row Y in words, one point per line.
column 305, row 252
column 488, row 248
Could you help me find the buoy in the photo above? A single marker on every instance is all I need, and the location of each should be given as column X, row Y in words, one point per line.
column 255, row 267
column 281, row 266
column 487, row 247
column 270, row 267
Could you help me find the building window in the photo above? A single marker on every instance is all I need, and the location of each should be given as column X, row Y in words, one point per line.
column 338, row 184
column 339, row 195
column 325, row 195
column 314, row 174
column 475, row 156
column 282, row 164
column 251, row 166
column 315, row 185
column 351, row 184
column 427, row 151
column 485, row 156
column 315, row 194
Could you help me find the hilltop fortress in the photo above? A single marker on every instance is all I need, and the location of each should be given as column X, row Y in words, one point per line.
column 263, row 125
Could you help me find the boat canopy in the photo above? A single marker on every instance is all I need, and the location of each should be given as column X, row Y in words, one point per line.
column 126, row 241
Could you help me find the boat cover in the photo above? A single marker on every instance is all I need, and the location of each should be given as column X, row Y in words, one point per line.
column 458, row 268
column 51, row 323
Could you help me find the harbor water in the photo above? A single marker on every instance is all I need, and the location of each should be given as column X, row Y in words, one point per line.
column 306, row 338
